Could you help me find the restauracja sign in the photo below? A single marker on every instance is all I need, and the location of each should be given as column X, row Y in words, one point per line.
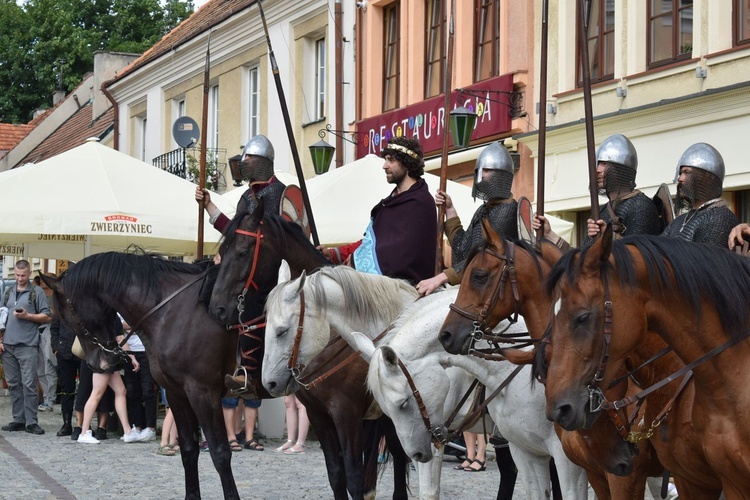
column 425, row 119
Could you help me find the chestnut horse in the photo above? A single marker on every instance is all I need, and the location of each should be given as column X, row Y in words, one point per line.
column 608, row 298
column 485, row 298
column 251, row 254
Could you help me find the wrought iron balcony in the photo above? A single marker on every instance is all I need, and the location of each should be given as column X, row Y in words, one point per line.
column 185, row 163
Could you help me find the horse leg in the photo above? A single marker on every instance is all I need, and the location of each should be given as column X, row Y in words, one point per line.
column 533, row 471
column 212, row 422
column 325, row 430
column 508, row 472
column 572, row 479
column 187, row 435
column 429, row 476
column 400, row 460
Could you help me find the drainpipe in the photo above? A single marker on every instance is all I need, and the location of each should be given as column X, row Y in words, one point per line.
column 115, row 114
column 337, row 17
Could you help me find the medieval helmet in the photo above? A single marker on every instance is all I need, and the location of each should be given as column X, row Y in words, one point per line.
column 494, row 157
column 257, row 159
column 704, row 157
column 259, row 145
column 622, row 163
column 706, row 180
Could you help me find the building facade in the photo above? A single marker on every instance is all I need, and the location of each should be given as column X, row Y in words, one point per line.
column 666, row 74
column 401, row 62
column 167, row 82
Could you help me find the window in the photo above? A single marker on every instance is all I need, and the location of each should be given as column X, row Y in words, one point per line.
column 486, row 39
column 144, row 136
column 181, row 108
column 601, row 41
column 435, row 48
column 254, row 93
column 741, row 13
column 391, row 56
column 670, row 34
column 320, row 78
column 212, row 134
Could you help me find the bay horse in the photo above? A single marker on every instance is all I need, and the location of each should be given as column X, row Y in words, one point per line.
column 693, row 296
column 505, row 278
column 188, row 352
column 441, row 379
column 251, row 253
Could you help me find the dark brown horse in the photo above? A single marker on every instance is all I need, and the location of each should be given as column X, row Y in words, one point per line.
column 485, row 298
column 188, row 352
column 694, row 297
column 251, row 254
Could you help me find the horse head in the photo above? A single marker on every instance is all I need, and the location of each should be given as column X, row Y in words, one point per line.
column 289, row 314
column 92, row 322
column 501, row 280
column 581, row 330
column 254, row 245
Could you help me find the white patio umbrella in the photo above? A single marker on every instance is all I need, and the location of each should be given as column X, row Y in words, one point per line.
column 342, row 198
column 93, row 199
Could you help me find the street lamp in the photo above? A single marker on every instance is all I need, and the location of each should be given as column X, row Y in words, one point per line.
column 234, row 168
column 462, row 122
column 322, row 154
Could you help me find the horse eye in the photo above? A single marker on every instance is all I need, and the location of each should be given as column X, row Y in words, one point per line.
column 403, row 405
column 281, row 333
column 583, row 318
column 480, row 277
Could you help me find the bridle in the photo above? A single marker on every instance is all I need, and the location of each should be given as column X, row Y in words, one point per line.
column 439, row 433
column 481, row 330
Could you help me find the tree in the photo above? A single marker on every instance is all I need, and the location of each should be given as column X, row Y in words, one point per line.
column 48, row 38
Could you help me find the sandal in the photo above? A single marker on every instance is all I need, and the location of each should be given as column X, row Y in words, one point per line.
column 482, row 466
column 289, row 443
column 235, row 445
column 174, row 446
column 254, row 445
column 297, row 449
column 463, row 464
column 166, row 450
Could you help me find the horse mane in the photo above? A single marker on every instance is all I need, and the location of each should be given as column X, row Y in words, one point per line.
column 692, row 271
column 370, row 296
column 481, row 247
column 284, row 230
column 115, row 272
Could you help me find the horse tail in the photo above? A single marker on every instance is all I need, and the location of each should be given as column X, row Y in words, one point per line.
column 375, row 432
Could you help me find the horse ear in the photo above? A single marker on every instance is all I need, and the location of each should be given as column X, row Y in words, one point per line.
column 302, row 279
column 285, row 273
column 490, row 235
column 52, row 282
column 599, row 252
column 360, row 342
column 390, row 357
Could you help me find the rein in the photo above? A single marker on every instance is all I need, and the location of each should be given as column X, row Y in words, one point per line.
column 297, row 368
column 117, row 349
column 598, row 401
column 481, row 329
column 250, row 282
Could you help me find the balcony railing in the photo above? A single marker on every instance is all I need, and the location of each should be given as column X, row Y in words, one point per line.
column 185, row 163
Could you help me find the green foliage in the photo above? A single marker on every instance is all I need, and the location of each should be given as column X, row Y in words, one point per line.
column 43, row 37
column 214, row 179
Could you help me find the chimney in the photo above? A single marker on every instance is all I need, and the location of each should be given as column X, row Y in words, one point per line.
column 57, row 96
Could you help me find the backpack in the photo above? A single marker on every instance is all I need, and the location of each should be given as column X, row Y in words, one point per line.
column 32, row 296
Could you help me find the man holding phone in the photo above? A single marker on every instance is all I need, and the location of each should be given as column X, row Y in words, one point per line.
column 19, row 345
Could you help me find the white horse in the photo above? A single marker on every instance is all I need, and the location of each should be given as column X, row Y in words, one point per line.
column 518, row 411
column 337, row 299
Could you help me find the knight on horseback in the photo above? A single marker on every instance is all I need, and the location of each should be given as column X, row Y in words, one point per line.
column 493, row 178
column 257, row 167
column 699, row 177
column 627, row 209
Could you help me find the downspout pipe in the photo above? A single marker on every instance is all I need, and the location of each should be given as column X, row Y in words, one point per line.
column 115, row 114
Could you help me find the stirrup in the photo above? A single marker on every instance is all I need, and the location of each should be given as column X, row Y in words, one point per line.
column 240, row 370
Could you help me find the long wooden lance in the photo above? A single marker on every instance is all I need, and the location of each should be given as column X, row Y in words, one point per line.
column 585, row 9
column 289, row 129
column 446, row 135
column 542, row 121
column 204, row 138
